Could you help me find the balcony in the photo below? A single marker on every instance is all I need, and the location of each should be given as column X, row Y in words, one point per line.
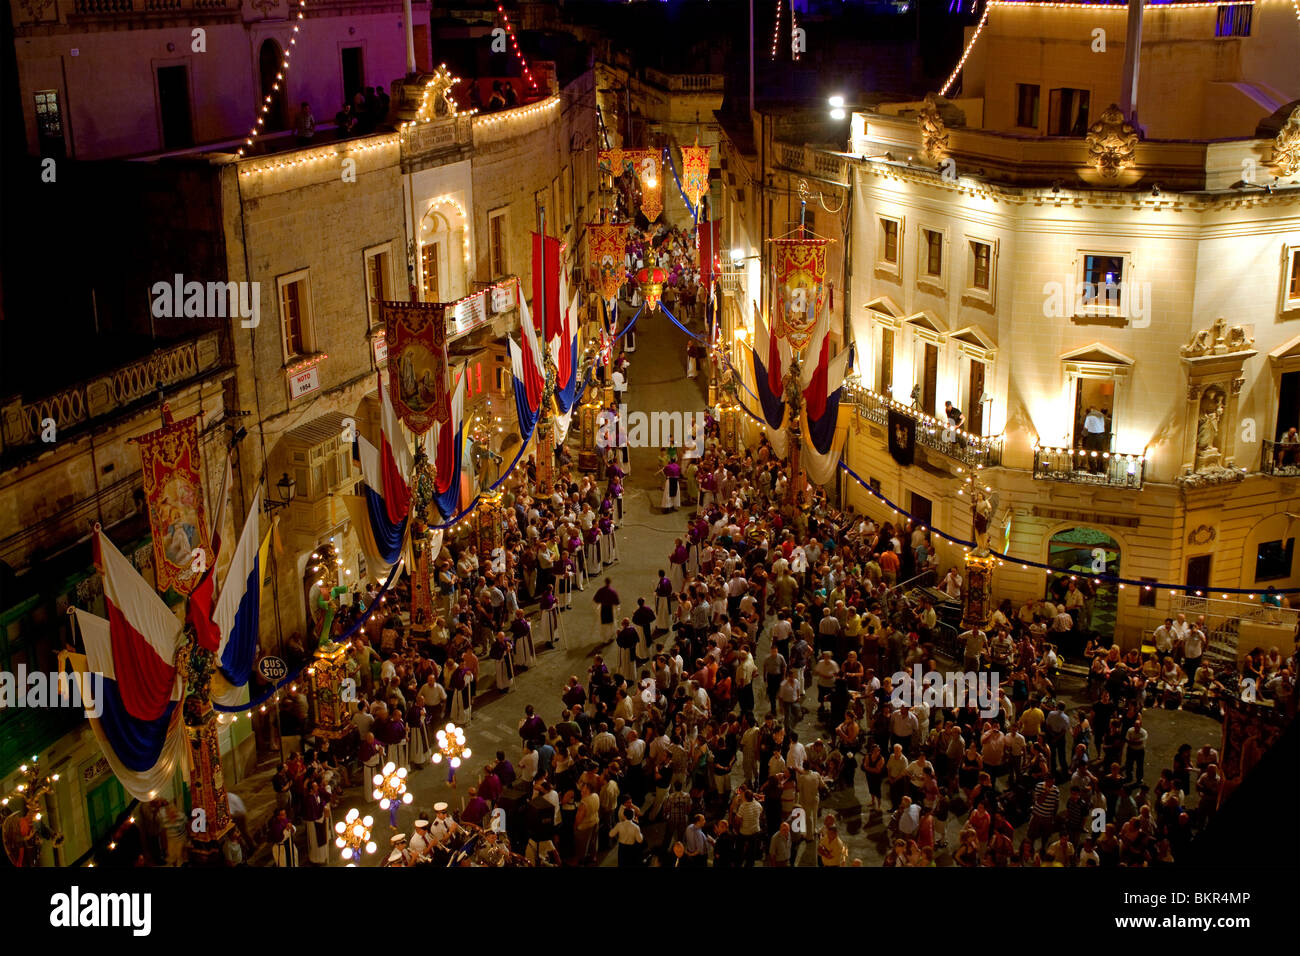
column 973, row 451
column 1080, row 467
column 109, row 393
column 125, row 8
column 686, row 82
column 1280, row 458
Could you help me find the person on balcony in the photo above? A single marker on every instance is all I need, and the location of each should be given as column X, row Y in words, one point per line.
column 1094, row 438
column 304, row 129
column 1288, row 448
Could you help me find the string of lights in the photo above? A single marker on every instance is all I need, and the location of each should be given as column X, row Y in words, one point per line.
column 776, row 28
column 258, row 127
column 514, row 42
column 693, row 210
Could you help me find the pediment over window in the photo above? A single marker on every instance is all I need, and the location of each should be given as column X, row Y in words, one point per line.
column 1287, row 355
column 927, row 326
column 973, row 341
column 1097, row 360
column 886, row 309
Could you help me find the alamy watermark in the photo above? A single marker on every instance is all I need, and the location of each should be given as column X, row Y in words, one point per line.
column 651, row 430
column 39, row 690
column 1130, row 300
column 952, row 689
column 207, row 300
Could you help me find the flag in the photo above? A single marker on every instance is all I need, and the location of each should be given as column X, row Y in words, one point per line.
column 395, row 459
column 534, row 371
column 771, row 359
column 546, row 285
column 707, row 238
column 416, row 333
column 381, row 537
column 144, row 633
column 451, row 443
column 902, row 437
column 238, row 610
column 143, row 754
column 818, row 349
column 822, row 398
column 173, row 488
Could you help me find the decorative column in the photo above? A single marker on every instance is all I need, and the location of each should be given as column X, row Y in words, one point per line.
column 325, row 678
column 588, row 425
column 421, row 592
column 545, row 438
column 207, row 781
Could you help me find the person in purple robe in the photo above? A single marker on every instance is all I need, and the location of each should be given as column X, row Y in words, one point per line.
column 606, row 598
column 607, row 543
column 672, row 499
column 550, row 609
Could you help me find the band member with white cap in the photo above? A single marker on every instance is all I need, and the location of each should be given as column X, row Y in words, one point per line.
column 442, row 826
column 421, row 842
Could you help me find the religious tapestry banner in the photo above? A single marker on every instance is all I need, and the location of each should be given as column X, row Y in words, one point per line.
column 647, row 164
column 799, row 287
column 902, row 437
column 173, row 488
column 695, row 172
column 607, row 252
column 417, row 362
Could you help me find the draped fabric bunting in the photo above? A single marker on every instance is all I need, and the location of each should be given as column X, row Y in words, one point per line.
column 451, row 445
column 647, row 164
column 173, row 487
column 416, row 333
column 564, row 352
column 145, row 633
column 607, row 253
column 238, row 611
column 546, row 286
column 771, row 359
column 902, row 437
column 143, row 754
column 798, row 287
column 821, row 451
column 695, row 172
column 380, row 512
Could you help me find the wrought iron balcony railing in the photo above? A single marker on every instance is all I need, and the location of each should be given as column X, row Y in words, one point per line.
column 1280, row 458
column 1084, row 467
column 974, row 451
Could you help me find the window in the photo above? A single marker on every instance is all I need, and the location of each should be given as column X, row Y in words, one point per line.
column 497, row 263
column 295, row 314
column 174, row 106
column 1233, row 21
column 1067, row 112
column 1291, row 279
column 430, row 255
column 1027, row 105
column 1102, row 283
column 933, row 253
column 885, row 380
column 1273, row 560
column 981, row 254
column 1147, row 595
column 378, row 281
column 49, row 123
column 889, row 241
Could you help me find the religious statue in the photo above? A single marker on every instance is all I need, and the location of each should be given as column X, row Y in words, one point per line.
column 980, row 512
column 1207, row 431
column 794, row 392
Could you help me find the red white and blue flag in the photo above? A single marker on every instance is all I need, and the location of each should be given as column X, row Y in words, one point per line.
column 450, row 439
column 771, row 357
column 238, row 610
column 822, row 377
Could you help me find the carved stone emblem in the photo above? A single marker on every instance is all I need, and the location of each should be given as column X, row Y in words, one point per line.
column 1112, row 143
column 1203, row 534
column 1218, row 339
column 1286, row 146
column 934, row 135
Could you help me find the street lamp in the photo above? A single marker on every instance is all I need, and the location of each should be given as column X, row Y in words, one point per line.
column 837, row 107
column 451, row 744
column 353, row 835
column 390, row 790
column 285, row 488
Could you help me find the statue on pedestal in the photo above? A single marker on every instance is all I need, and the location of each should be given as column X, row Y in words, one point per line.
column 981, row 511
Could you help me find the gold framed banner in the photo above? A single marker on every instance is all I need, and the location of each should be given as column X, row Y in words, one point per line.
column 647, row 164
column 798, row 288
column 417, row 361
column 607, row 252
column 173, row 486
column 695, row 172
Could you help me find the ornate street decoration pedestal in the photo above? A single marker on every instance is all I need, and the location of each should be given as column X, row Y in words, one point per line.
column 207, row 781
column 977, row 607
column 326, row 677
column 491, row 534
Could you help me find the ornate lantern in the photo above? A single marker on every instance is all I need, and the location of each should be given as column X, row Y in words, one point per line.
column 354, row 836
column 651, row 280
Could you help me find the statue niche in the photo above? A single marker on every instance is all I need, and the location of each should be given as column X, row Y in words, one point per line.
column 1208, row 422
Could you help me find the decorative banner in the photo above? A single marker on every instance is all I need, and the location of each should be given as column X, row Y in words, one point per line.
column 417, row 361
column 707, row 240
column 902, row 437
column 648, row 166
column 695, row 172
column 607, row 252
column 799, row 286
column 170, row 463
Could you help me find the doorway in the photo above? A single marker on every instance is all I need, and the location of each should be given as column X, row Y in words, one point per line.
column 353, row 72
column 975, row 392
column 1288, row 404
column 1198, row 572
column 174, row 106
column 1098, row 393
column 1082, row 554
column 885, row 383
column 269, row 58
column 930, row 378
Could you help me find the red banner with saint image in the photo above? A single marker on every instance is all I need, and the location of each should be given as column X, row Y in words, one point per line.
column 173, row 487
column 607, row 252
column 417, row 361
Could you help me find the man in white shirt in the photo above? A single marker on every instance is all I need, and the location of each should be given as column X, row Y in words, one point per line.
column 952, row 584
column 1164, row 637
column 1094, row 438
